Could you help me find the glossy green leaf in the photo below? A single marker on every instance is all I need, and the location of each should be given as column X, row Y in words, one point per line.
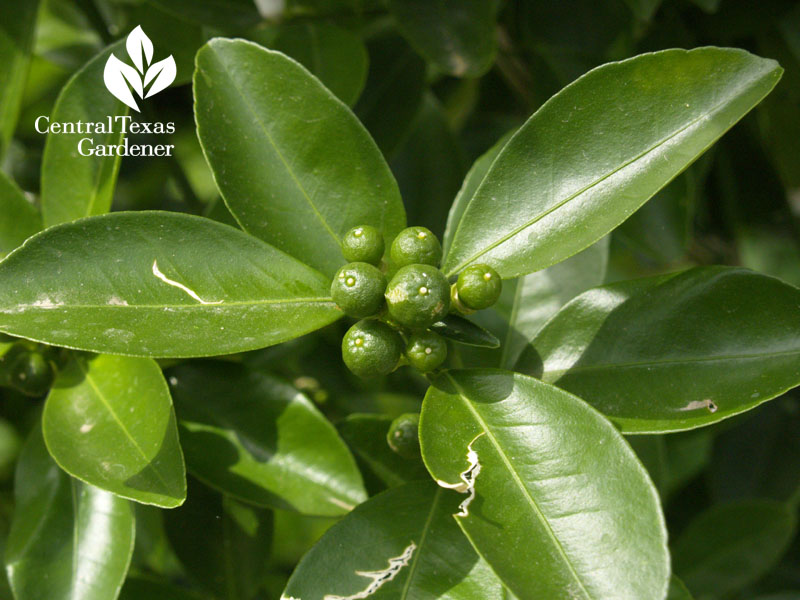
column 457, row 37
column 109, row 421
column 319, row 175
column 400, row 545
column 464, row 331
column 676, row 351
column 731, row 545
column 229, row 14
column 19, row 219
column 158, row 284
column 395, row 86
column 16, row 44
column 600, row 148
column 221, row 542
column 336, row 56
column 677, row 590
column 69, row 540
column 258, row 439
column 366, row 436
column 547, row 476
column 75, row 186
column 528, row 302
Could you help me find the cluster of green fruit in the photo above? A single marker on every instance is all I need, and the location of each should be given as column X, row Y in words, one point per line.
column 28, row 367
column 396, row 316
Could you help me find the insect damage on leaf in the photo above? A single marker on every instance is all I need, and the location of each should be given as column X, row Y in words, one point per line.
column 708, row 404
column 379, row 578
column 157, row 272
column 468, row 477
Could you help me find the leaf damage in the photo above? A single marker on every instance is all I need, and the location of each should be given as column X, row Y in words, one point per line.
column 379, row 578
column 468, row 478
column 157, row 272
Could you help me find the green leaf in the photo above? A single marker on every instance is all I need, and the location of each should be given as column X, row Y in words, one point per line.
column 16, row 45
column 336, row 56
column 109, row 421
column 20, row 219
column 366, row 436
column 319, row 174
column 464, row 331
column 75, row 186
column 731, row 545
column 598, row 149
column 457, row 37
column 547, row 476
column 69, row 540
column 399, row 545
column 395, row 86
column 535, row 298
column 158, row 284
column 678, row 591
column 707, row 343
column 258, row 439
column 222, row 543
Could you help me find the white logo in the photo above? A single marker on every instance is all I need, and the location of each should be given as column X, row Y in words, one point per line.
column 120, row 77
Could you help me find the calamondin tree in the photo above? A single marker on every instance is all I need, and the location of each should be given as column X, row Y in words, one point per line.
column 520, row 397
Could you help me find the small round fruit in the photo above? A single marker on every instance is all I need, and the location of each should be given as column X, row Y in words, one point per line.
column 31, row 374
column 416, row 246
column 478, row 286
column 418, row 296
column 403, row 435
column 371, row 348
column 358, row 289
column 426, row 350
column 363, row 244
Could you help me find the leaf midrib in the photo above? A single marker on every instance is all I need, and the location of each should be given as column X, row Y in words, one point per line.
column 423, row 536
column 518, row 480
column 209, row 306
column 705, row 115
column 676, row 361
column 272, row 143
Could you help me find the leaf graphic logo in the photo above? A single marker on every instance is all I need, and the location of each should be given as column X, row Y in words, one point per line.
column 120, row 77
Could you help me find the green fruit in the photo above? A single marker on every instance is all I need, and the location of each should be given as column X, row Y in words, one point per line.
column 416, row 246
column 478, row 287
column 426, row 350
column 31, row 373
column 371, row 348
column 418, row 296
column 358, row 289
column 403, row 435
column 363, row 244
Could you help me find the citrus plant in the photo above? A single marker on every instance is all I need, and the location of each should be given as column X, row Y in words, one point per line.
column 357, row 374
